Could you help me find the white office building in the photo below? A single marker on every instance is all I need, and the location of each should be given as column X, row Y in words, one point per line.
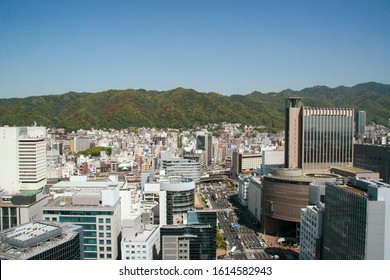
column 243, row 184
column 175, row 166
column 23, row 158
column 140, row 241
column 311, row 232
column 255, row 191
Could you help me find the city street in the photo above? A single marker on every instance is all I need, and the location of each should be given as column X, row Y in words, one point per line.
column 235, row 224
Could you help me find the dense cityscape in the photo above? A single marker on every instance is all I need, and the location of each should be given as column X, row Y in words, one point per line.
column 317, row 190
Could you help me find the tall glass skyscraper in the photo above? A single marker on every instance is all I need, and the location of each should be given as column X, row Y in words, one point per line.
column 360, row 121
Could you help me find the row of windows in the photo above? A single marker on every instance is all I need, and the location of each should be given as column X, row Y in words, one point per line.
column 94, row 248
column 78, row 213
column 78, row 219
column 136, row 258
column 138, row 252
column 108, row 220
column 94, row 234
column 135, row 246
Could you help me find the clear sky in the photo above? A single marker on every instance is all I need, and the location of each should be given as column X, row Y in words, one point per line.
column 229, row 47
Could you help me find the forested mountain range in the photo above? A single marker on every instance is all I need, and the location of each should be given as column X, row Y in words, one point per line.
column 185, row 108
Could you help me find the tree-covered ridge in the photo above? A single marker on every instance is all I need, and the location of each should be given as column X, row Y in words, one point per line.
column 185, row 108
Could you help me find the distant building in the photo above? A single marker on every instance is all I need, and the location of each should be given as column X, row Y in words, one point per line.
column 270, row 160
column 360, row 122
column 317, row 138
column 79, row 144
column 94, row 205
column 174, row 166
column 195, row 239
column 245, row 163
column 204, row 142
column 42, row 241
column 375, row 158
column 23, row 158
column 356, row 224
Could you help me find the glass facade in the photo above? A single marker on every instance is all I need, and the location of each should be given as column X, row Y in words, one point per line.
column 360, row 124
column 178, row 203
column 327, row 137
column 96, row 225
column 9, row 217
column 69, row 250
column 344, row 226
column 375, row 158
column 201, row 239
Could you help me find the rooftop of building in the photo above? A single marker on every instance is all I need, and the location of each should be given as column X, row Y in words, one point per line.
column 27, row 240
column 363, row 187
column 30, row 192
column 83, row 199
column 86, row 184
column 352, row 169
column 180, row 226
column 296, row 174
column 354, row 190
column 145, row 234
column 355, row 171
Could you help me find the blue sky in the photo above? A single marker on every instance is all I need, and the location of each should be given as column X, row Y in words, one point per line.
column 229, row 47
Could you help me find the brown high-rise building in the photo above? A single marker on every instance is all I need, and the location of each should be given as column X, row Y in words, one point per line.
column 293, row 128
column 318, row 138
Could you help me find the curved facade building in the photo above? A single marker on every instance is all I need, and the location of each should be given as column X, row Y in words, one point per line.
column 285, row 192
column 180, row 198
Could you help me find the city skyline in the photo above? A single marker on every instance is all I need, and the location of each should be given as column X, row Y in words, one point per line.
column 235, row 48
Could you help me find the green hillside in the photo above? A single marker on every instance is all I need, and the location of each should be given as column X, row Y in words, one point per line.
column 184, row 108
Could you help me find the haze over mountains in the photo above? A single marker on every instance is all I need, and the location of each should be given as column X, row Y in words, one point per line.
column 184, row 108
